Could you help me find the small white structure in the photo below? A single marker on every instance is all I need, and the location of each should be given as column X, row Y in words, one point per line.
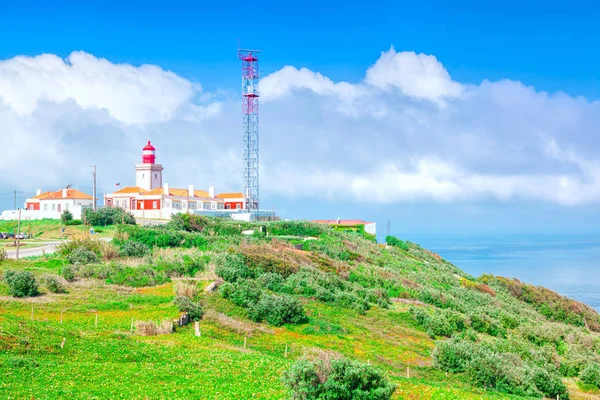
column 51, row 205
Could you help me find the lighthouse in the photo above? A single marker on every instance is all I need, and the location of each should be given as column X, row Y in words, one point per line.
column 148, row 174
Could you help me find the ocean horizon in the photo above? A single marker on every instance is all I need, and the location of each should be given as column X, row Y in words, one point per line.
column 566, row 263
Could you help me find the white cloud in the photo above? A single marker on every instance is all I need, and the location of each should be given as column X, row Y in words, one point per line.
column 416, row 75
column 384, row 139
column 129, row 94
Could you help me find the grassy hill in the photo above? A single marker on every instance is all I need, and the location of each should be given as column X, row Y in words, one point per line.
column 290, row 291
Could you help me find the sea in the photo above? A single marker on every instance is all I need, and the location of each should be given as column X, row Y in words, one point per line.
column 566, row 263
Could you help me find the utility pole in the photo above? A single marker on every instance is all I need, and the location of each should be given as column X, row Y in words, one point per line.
column 18, row 233
column 94, row 200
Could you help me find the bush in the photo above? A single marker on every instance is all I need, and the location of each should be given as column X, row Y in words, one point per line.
column 108, row 216
column 277, row 310
column 68, row 272
column 453, row 355
column 185, row 304
column 134, row 249
column 271, row 281
column 243, row 293
column 231, row 267
column 66, row 217
column 82, row 256
column 342, row 379
column 54, row 283
column 394, row 241
column 93, row 245
column 591, row 374
column 21, row 283
column 133, row 276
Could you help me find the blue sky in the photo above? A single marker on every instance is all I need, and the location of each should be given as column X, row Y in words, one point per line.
column 548, row 46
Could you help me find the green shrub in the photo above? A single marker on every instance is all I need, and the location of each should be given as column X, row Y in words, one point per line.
column 295, row 228
column 21, row 283
column 82, row 256
column 271, row 281
column 134, row 249
column 66, row 217
column 93, row 245
column 453, row 355
column 134, row 276
column 342, row 379
column 54, row 283
column 108, row 216
column 243, row 293
column 185, row 304
column 394, row 241
column 231, row 267
column 68, row 272
column 591, row 374
column 15, row 362
column 277, row 310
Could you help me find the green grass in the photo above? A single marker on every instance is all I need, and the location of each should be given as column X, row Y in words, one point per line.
column 107, row 360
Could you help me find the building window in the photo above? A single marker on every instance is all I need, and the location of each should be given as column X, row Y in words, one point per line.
column 53, row 207
column 45, row 207
column 66, row 207
column 238, row 206
column 155, row 176
column 142, row 205
column 220, row 206
column 167, row 204
column 142, row 176
column 192, row 206
column 228, row 206
column 155, row 204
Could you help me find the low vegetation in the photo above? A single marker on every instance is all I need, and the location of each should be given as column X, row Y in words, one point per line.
column 294, row 309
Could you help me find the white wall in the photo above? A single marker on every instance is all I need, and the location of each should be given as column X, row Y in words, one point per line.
column 371, row 228
column 40, row 214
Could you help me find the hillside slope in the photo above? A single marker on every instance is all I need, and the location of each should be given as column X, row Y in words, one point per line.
column 291, row 290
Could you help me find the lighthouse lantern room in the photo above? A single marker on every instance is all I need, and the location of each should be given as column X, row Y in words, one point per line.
column 148, row 174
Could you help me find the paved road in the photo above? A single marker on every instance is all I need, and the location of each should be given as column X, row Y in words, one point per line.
column 47, row 248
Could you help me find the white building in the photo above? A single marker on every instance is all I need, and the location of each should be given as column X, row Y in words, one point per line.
column 151, row 199
column 52, row 204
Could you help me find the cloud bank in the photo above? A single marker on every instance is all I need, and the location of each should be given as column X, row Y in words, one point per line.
column 405, row 132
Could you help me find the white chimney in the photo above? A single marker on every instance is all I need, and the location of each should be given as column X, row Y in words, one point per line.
column 191, row 191
column 211, row 191
column 38, row 192
column 338, row 220
column 64, row 193
column 166, row 189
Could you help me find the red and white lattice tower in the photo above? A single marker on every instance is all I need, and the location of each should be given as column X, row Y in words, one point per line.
column 250, row 95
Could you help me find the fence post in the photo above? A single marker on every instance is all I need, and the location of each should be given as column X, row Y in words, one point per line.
column 197, row 328
column 244, row 341
column 407, row 372
column 62, row 344
column 131, row 324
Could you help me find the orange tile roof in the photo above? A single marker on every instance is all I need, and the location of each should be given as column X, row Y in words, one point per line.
column 346, row 222
column 131, row 189
column 236, row 195
column 201, row 193
column 42, row 195
column 71, row 194
column 154, row 192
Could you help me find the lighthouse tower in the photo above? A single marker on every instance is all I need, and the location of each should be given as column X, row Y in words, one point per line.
column 148, row 175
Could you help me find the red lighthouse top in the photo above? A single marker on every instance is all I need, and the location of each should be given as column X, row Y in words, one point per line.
column 148, row 154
